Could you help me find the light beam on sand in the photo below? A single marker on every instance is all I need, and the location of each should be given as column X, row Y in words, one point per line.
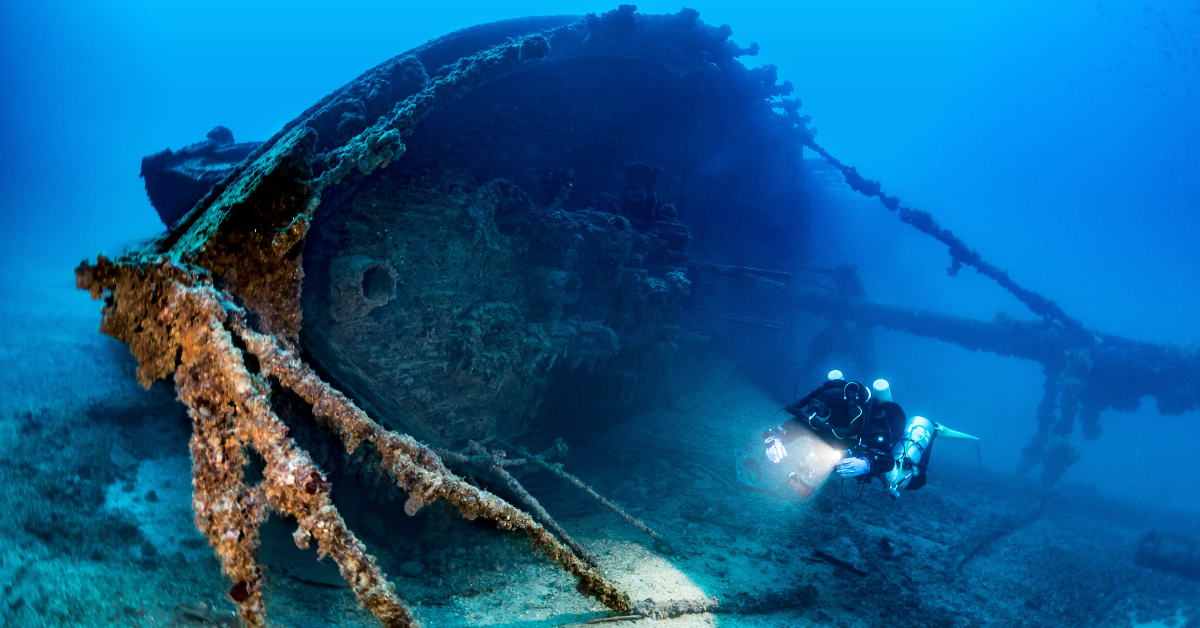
column 809, row 463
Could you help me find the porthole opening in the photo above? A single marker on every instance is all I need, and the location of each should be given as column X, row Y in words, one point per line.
column 378, row 284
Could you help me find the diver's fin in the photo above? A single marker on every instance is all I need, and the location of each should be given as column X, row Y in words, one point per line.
column 945, row 432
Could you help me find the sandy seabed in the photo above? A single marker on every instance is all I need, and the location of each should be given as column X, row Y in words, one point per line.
column 96, row 520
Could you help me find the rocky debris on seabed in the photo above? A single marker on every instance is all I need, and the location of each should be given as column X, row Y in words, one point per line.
column 841, row 552
column 1170, row 552
column 200, row 613
column 71, row 560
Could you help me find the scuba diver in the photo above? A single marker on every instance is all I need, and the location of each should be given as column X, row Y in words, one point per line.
column 869, row 434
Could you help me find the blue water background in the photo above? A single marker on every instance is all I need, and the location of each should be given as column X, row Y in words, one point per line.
column 1062, row 139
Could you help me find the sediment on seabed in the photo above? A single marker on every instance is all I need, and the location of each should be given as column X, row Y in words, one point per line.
column 457, row 300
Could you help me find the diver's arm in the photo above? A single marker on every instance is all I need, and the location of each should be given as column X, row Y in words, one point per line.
column 853, row 467
column 792, row 428
column 896, row 421
column 880, row 464
column 880, row 460
column 789, row 431
column 797, row 409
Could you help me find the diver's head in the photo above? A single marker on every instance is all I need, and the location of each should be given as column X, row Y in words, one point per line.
column 819, row 409
column 829, row 407
column 837, row 407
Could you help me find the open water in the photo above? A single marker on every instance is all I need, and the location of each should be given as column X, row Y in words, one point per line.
column 1060, row 140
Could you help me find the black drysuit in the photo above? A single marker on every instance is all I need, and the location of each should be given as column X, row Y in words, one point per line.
column 857, row 422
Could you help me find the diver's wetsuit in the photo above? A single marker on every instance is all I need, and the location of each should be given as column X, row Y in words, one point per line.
column 857, row 422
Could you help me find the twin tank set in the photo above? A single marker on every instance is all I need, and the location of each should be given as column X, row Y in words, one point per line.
column 908, row 452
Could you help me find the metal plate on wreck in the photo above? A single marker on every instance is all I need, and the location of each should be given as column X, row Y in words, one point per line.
column 532, row 244
column 525, row 252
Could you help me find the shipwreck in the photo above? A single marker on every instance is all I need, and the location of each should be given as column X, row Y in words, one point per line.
column 508, row 228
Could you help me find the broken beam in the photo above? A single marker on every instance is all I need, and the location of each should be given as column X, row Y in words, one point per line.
column 737, row 318
column 773, row 278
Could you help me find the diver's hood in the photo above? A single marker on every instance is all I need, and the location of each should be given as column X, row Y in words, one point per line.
column 837, row 407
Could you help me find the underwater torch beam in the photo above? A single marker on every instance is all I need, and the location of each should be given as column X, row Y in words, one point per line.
column 811, row 471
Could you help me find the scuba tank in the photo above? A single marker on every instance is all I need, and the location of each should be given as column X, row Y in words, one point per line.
column 883, row 390
column 912, row 452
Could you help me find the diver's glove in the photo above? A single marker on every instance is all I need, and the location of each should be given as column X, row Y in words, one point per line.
column 853, row 467
column 775, row 449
